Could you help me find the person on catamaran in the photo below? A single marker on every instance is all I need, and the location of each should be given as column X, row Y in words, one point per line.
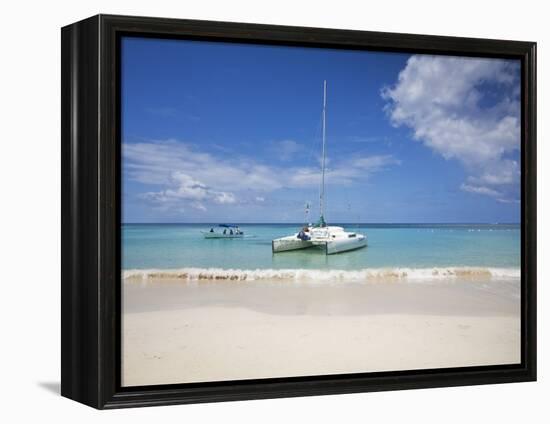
column 302, row 234
column 231, row 232
column 225, row 231
column 211, row 230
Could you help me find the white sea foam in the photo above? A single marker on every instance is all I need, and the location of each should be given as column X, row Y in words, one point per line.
column 321, row 275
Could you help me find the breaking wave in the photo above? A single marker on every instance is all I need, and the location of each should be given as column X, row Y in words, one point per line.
column 320, row 275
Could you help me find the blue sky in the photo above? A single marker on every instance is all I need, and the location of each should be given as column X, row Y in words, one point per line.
column 220, row 132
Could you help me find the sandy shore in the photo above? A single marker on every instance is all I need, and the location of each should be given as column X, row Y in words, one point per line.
column 180, row 332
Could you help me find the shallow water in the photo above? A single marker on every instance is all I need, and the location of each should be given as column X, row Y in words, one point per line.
column 176, row 246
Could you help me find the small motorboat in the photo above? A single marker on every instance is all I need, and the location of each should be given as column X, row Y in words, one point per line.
column 332, row 239
column 224, row 231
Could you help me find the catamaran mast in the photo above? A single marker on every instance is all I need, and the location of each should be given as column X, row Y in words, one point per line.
column 323, row 154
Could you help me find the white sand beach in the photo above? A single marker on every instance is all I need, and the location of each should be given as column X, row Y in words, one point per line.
column 180, row 332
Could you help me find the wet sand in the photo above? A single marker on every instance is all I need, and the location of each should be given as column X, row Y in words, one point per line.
column 179, row 332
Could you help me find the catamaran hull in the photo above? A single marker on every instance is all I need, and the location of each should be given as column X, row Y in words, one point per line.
column 286, row 244
column 340, row 246
column 330, row 247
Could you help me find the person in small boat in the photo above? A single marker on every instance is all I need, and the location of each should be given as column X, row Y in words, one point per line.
column 230, row 232
column 211, row 230
column 225, row 231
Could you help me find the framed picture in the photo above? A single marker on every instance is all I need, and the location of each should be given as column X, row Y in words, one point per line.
column 253, row 211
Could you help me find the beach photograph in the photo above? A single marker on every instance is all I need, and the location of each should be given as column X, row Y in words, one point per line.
column 296, row 211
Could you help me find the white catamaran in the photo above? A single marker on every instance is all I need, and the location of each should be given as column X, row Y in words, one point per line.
column 331, row 239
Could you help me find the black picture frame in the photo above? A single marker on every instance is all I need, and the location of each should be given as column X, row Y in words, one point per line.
column 90, row 139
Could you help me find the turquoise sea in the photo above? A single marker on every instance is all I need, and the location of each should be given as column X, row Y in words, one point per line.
column 421, row 247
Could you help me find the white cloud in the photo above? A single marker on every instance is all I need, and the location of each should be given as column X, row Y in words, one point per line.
column 375, row 163
column 516, row 201
column 199, row 206
column 188, row 188
column 164, row 162
column 187, row 176
column 286, row 149
column 480, row 190
column 343, row 172
column 442, row 100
